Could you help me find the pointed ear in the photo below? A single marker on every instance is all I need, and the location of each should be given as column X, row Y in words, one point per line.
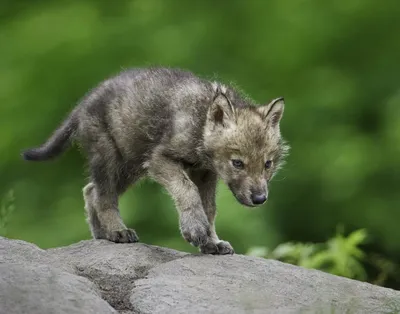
column 221, row 111
column 272, row 113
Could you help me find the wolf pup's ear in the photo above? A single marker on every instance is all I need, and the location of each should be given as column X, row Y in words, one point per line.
column 221, row 111
column 272, row 113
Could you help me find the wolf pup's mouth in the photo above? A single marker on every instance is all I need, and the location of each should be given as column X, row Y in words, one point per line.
column 242, row 200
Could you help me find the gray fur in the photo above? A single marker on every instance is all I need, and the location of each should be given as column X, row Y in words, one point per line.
column 178, row 129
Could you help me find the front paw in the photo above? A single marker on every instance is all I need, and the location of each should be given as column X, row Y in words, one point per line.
column 225, row 248
column 209, row 248
column 123, row 236
column 195, row 230
column 219, row 248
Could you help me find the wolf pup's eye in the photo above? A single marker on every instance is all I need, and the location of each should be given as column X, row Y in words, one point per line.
column 237, row 163
column 268, row 164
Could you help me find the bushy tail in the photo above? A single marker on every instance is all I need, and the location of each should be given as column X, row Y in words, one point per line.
column 59, row 141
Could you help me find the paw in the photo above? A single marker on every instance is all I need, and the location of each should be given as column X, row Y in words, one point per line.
column 209, row 248
column 195, row 230
column 225, row 248
column 195, row 234
column 123, row 236
column 219, row 248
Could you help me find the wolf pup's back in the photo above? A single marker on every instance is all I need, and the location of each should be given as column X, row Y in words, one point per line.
column 184, row 132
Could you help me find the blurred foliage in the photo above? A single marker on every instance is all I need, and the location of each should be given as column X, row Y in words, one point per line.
column 6, row 209
column 336, row 63
column 340, row 255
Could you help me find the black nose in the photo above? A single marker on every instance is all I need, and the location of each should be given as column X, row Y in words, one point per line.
column 258, row 199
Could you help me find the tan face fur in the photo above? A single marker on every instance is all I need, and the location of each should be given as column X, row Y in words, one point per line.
column 246, row 146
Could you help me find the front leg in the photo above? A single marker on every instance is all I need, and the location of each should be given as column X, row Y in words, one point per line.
column 194, row 224
column 206, row 182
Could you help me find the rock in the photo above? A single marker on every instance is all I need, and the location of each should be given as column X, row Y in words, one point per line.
column 114, row 267
column 45, row 290
column 22, row 253
column 103, row 277
column 33, row 281
column 240, row 284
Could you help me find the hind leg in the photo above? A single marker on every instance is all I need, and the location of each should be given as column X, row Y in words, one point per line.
column 101, row 201
column 104, row 219
column 91, row 216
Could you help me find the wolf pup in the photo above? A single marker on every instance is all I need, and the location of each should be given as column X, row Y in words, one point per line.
column 182, row 131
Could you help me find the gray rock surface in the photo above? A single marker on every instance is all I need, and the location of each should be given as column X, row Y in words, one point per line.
column 44, row 289
column 103, row 277
column 114, row 268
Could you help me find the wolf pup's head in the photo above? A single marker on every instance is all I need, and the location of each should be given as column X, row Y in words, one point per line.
column 245, row 144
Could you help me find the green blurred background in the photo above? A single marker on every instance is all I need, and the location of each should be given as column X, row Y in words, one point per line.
column 336, row 63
